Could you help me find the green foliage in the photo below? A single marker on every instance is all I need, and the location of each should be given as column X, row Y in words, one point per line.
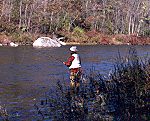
column 8, row 27
column 22, row 38
column 44, row 26
column 119, row 39
column 27, row 39
column 17, row 37
column 78, row 32
column 109, row 27
column 95, row 39
column 147, row 33
column 66, row 24
column 78, row 35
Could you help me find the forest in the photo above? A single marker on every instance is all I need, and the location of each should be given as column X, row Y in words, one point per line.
column 87, row 21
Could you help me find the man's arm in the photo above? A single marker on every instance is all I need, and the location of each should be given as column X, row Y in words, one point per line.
column 69, row 61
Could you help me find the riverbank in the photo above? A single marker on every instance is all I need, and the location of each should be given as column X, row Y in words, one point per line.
column 77, row 38
column 93, row 37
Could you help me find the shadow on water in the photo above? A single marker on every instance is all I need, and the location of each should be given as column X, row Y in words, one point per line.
column 27, row 73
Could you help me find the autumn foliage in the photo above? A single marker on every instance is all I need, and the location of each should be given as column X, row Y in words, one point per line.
column 82, row 21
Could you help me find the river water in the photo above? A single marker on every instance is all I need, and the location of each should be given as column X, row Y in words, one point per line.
column 26, row 73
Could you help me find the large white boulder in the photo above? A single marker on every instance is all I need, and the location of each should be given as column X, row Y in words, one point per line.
column 48, row 42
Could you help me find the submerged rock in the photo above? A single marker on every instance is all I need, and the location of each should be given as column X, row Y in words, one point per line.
column 48, row 42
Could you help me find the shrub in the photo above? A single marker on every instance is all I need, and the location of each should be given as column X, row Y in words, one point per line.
column 131, row 76
column 8, row 28
column 22, row 38
column 146, row 33
column 78, row 32
column 3, row 114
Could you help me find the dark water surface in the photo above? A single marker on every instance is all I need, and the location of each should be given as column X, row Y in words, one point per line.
column 26, row 73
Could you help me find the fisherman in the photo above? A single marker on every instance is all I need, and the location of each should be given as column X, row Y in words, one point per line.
column 74, row 64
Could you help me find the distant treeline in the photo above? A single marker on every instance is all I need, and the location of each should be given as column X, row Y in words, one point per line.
column 47, row 16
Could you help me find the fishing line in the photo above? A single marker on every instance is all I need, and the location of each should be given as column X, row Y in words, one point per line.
column 55, row 58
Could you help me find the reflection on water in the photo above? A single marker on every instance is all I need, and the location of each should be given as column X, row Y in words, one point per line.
column 27, row 73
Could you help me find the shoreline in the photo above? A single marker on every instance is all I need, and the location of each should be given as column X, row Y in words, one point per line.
column 81, row 44
column 75, row 43
column 104, row 40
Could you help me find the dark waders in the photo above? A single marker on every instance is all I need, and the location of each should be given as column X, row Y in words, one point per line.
column 75, row 81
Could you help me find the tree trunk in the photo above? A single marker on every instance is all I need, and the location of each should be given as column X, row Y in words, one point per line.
column 2, row 11
column 129, row 25
column 25, row 14
column 51, row 19
column 132, row 25
column 11, row 6
column 20, row 13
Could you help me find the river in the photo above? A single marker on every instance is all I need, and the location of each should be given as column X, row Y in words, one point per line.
column 26, row 73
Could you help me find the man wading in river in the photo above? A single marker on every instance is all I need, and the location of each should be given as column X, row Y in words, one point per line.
column 74, row 65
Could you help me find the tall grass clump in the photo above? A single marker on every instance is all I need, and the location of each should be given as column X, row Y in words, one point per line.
column 132, row 80
column 3, row 114
column 124, row 95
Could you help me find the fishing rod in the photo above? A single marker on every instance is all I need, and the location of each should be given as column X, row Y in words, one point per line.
column 55, row 58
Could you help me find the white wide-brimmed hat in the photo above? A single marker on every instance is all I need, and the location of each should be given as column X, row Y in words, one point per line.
column 74, row 49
